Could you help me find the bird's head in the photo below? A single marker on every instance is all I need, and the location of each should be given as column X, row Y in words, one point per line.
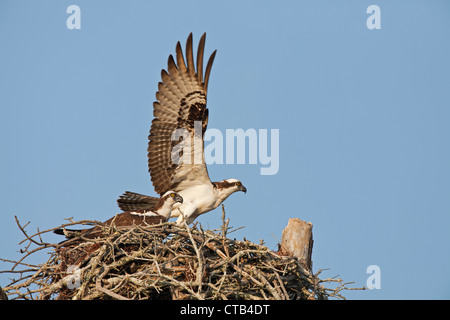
column 232, row 185
column 173, row 197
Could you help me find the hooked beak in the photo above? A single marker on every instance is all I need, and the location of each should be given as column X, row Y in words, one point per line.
column 178, row 198
column 242, row 188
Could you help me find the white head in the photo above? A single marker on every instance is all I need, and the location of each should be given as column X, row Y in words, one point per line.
column 228, row 186
column 165, row 203
column 172, row 196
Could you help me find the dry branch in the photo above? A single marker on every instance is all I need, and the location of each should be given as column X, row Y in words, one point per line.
column 163, row 261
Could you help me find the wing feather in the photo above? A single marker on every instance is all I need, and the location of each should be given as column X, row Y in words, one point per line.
column 181, row 101
column 208, row 69
column 185, row 80
column 200, row 50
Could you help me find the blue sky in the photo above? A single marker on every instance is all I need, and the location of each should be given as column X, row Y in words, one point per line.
column 363, row 117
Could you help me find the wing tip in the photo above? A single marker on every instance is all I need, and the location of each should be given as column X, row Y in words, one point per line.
column 208, row 69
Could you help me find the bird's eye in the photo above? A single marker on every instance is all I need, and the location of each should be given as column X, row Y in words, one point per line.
column 172, row 195
column 238, row 184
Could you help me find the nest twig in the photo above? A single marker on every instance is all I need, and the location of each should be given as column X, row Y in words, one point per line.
column 164, row 261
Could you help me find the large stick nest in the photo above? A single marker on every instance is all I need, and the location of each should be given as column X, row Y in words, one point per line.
column 164, row 261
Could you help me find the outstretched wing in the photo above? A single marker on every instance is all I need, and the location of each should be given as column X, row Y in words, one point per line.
column 175, row 149
column 131, row 201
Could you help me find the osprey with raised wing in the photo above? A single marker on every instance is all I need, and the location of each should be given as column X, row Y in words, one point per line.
column 176, row 146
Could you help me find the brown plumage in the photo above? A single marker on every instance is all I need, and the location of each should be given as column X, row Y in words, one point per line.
column 160, row 212
column 131, row 201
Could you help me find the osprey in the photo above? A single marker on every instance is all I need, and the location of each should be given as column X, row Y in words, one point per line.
column 159, row 213
column 177, row 131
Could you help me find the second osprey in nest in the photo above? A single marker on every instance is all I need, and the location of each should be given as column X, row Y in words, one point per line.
column 176, row 147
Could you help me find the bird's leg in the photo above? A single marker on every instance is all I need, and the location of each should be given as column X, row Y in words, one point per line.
column 186, row 214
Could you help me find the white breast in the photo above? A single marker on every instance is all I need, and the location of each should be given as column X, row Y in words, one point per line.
column 202, row 198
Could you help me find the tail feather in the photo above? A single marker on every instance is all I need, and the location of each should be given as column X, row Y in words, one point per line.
column 69, row 233
column 131, row 201
column 75, row 236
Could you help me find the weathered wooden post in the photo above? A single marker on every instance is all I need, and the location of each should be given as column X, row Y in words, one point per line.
column 297, row 241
